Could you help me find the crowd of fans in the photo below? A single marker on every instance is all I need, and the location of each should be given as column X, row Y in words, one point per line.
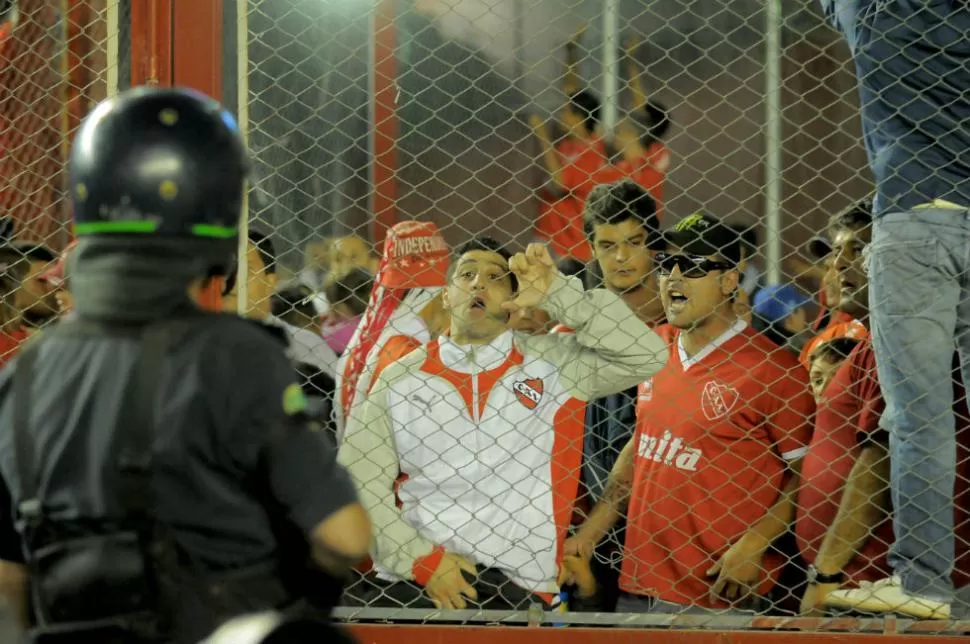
column 749, row 475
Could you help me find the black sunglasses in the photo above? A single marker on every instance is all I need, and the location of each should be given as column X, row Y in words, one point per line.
column 690, row 265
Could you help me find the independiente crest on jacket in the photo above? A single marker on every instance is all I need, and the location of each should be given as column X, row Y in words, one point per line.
column 528, row 391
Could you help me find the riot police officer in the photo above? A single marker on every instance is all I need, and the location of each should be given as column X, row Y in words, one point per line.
column 158, row 473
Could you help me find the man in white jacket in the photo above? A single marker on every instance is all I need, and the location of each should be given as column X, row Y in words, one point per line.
column 480, row 433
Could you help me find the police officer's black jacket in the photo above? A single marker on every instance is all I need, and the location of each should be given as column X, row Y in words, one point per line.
column 234, row 464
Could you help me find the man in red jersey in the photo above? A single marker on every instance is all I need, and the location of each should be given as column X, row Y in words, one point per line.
column 710, row 473
column 835, row 320
column 843, row 521
column 843, row 495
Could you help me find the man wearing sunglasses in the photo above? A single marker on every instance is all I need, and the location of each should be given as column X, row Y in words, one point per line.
column 709, row 475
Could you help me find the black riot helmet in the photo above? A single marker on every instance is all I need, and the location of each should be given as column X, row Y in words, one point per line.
column 165, row 164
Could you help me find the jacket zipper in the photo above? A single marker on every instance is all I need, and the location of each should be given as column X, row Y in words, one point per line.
column 474, row 365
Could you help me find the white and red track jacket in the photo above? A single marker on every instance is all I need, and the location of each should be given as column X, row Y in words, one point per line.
column 488, row 439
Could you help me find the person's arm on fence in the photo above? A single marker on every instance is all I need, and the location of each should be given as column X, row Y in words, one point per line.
column 865, row 503
column 604, row 515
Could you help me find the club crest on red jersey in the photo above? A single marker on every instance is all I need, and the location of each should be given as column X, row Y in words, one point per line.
column 646, row 391
column 529, row 392
column 717, row 400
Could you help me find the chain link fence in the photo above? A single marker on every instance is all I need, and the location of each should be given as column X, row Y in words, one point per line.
column 53, row 67
column 500, row 118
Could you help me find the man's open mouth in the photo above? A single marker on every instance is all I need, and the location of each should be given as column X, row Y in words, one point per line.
column 676, row 296
column 477, row 304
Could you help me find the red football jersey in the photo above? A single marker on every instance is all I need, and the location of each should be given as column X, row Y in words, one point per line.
column 713, row 436
column 850, row 410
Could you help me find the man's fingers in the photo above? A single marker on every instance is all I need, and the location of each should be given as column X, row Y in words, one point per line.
column 537, row 254
column 544, row 257
column 713, row 570
column 511, row 306
column 469, row 591
column 467, row 566
column 564, row 578
column 457, row 601
column 440, row 601
column 718, row 586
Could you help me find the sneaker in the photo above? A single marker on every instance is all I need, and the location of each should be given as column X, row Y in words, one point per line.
column 887, row 596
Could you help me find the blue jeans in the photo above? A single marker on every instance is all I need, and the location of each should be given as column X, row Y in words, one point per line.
column 919, row 294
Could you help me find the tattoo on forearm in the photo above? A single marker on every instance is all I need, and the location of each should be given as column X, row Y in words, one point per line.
column 617, row 493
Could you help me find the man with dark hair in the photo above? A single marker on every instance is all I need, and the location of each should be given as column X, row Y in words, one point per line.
column 708, row 479
column 486, row 425
column 843, row 523
column 572, row 163
column 293, row 304
column 915, row 111
column 845, row 542
column 622, row 226
column 306, row 346
column 621, row 222
column 834, row 321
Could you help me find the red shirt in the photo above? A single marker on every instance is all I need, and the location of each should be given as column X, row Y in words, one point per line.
column 849, row 412
column 561, row 219
column 713, row 436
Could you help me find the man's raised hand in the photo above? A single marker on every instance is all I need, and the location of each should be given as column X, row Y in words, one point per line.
column 535, row 272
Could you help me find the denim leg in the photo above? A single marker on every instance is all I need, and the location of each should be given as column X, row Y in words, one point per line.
column 914, row 291
column 670, row 608
column 627, row 603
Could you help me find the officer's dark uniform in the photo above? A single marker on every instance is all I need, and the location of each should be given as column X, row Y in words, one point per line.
column 145, row 433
